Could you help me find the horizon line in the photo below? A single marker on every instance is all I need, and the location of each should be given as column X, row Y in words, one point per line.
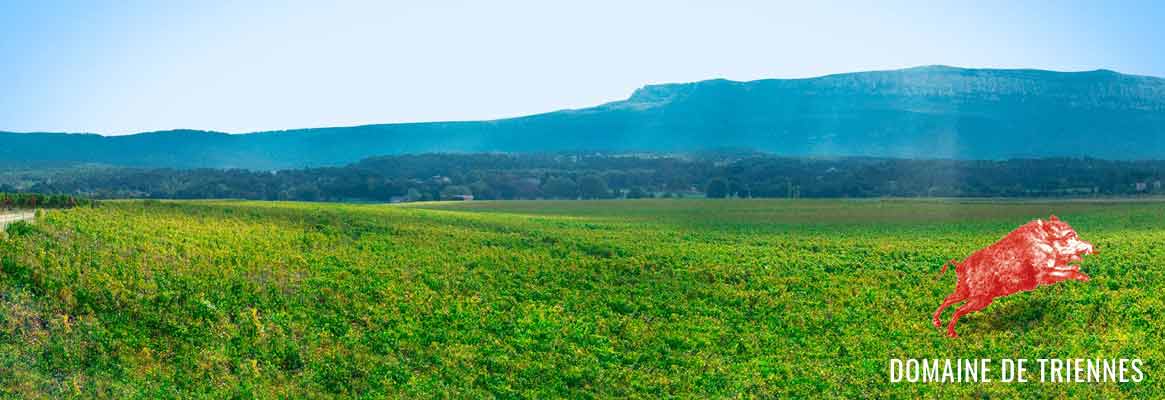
column 916, row 67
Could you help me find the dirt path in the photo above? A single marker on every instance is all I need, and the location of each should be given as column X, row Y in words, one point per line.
column 10, row 217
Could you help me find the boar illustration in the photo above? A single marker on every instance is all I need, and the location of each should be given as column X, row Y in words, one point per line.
column 1037, row 253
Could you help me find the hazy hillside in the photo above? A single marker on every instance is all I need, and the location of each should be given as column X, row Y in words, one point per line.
column 931, row 112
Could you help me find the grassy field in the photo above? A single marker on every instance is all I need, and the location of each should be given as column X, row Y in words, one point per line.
column 642, row 298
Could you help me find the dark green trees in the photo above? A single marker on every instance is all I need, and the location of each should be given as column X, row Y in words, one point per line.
column 593, row 187
column 34, row 200
column 717, row 188
column 560, row 188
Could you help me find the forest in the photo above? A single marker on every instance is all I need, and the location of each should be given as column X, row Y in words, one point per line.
column 507, row 176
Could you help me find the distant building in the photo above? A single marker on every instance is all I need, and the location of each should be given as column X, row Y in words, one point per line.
column 1141, row 186
column 461, row 197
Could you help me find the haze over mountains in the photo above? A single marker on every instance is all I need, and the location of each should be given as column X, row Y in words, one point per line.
column 924, row 112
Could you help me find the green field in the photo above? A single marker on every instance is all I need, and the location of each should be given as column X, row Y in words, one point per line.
column 640, row 298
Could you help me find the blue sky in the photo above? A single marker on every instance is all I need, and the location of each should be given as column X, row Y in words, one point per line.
column 133, row 66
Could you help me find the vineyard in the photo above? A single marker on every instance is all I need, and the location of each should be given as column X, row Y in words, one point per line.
column 549, row 299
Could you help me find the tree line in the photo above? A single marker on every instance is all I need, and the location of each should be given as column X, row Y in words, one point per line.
column 427, row 177
column 10, row 201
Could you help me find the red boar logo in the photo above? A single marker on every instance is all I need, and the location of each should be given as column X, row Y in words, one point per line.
column 1037, row 253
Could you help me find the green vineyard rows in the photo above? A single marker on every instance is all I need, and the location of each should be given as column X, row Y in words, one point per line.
column 649, row 298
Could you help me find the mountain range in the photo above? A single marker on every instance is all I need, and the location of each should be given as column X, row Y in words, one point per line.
column 923, row 112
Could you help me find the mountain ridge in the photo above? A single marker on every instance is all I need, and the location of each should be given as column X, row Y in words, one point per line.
column 927, row 111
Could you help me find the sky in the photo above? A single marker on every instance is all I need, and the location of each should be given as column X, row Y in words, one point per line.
column 135, row 66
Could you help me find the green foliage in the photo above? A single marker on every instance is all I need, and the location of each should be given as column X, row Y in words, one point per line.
column 637, row 193
column 560, row 188
column 519, row 176
column 453, row 191
column 551, row 299
column 19, row 228
column 739, row 189
column 483, row 191
column 36, row 200
column 717, row 188
column 413, row 195
column 593, row 187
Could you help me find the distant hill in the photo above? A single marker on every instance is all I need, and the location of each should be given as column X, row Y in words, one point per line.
column 924, row 112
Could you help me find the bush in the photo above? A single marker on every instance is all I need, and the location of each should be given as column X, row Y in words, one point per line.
column 19, row 229
column 717, row 189
column 593, row 187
